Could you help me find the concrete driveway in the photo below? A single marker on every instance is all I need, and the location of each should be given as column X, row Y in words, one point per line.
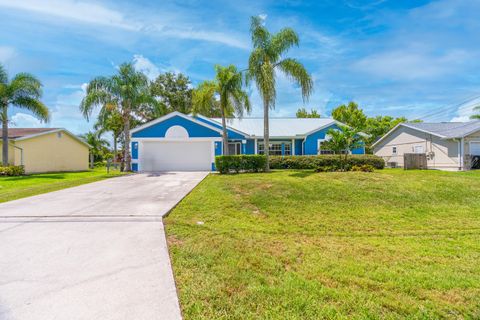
column 96, row 251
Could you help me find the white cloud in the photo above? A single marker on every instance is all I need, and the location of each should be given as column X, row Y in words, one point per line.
column 82, row 11
column 146, row 66
column 94, row 13
column 6, row 54
column 466, row 110
column 23, row 120
column 411, row 64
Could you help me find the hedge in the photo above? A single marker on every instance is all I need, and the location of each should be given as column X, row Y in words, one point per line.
column 12, row 171
column 314, row 162
column 240, row 163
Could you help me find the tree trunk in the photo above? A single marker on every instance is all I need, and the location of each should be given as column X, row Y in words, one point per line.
column 4, row 136
column 266, row 137
column 126, row 131
column 115, row 151
column 224, row 132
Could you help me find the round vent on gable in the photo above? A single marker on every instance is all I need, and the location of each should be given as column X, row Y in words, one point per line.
column 176, row 132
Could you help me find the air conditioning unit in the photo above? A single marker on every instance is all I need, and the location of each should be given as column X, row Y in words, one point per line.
column 392, row 164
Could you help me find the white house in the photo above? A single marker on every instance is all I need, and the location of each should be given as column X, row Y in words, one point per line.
column 447, row 145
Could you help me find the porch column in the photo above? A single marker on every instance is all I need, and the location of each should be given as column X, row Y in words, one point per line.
column 244, row 146
column 256, row 146
column 293, row 147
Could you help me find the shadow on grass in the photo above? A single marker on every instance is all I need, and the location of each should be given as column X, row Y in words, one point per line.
column 302, row 174
column 29, row 177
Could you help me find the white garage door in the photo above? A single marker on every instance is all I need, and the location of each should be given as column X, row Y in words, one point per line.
column 475, row 148
column 176, row 156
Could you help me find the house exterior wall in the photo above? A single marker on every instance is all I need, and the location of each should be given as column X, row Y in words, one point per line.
column 52, row 153
column 474, row 137
column 11, row 155
column 158, row 130
column 441, row 154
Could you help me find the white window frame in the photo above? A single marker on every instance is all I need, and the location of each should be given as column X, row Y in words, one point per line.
column 394, row 150
column 419, row 146
column 237, row 148
column 470, row 147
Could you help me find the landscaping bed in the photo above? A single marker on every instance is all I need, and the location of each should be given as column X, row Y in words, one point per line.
column 303, row 245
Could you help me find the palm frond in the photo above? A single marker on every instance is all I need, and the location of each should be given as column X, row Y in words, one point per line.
column 297, row 72
column 260, row 35
column 3, row 75
column 282, row 41
column 25, row 84
column 37, row 108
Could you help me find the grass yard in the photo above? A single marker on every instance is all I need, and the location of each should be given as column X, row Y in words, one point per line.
column 302, row 245
column 12, row 188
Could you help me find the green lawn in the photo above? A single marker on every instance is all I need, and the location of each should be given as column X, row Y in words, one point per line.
column 12, row 188
column 302, row 245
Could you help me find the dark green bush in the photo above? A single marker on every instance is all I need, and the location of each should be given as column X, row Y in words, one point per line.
column 240, row 163
column 12, row 171
column 315, row 162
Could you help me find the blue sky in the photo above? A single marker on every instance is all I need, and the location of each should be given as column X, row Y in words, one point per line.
column 420, row 59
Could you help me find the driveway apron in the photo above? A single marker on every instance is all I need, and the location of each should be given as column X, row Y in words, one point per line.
column 97, row 251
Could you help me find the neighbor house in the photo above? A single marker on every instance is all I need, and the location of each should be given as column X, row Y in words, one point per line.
column 447, row 145
column 183, row 142
column 46, row 150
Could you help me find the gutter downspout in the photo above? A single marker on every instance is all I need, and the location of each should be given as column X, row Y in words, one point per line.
column 462, row 155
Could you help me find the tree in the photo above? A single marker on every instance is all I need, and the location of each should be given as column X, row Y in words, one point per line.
column 127, row 92
column 477, row 115
column 99, row 146
column 343, row 140
column 22, row 91
column 266, row 60
column 110, row 120
column 232, row 99
column 303, row 113
column 350, row 115
column 173, row 92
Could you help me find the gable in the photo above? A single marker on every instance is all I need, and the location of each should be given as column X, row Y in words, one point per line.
column 158, row 128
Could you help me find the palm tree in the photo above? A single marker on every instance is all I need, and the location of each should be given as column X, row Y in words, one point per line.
column 343, row 140
column 476, row 116
column 266, row 60
column 22, row 91
column 99, row 146
column 126, row 92
column 110, row 119
column 232, row 99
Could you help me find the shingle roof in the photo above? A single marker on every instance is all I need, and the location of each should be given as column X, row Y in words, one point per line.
column 279, row 127
column 14, row 133
column 447, row 130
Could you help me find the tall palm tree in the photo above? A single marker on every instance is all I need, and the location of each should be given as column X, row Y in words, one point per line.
column 225, row 93
column 22, row 91
column 126, row 92
column 266, row 59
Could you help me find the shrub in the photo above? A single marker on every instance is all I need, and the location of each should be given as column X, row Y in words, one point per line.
column 240, row 163
column 315, row 162
column 12, row 171
column 363, row 168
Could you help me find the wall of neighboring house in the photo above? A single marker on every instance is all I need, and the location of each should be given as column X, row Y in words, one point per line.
column 11, row 154
column 441, row 154
column 56, row 151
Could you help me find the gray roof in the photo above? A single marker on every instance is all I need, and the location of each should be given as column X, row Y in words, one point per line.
column 279, row 127
column 447, row 130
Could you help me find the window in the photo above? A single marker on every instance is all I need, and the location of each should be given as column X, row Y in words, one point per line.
column 234, row 148
column 419, row 149
column 59, row 134
column 274, row 150
column 394, row 150
column 288, row 149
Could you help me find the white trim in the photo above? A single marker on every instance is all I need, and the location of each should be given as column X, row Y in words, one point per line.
column 255, row 146
column 396, row 150
column 471, row 132
column 228, row 127
column 171, row 115
column 462, row 155
column 470, row 146
column 328, row 125
column 52, row 131
column 292, row 150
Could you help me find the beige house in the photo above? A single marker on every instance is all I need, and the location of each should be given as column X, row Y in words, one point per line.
column 447, row 145
column 46, row 150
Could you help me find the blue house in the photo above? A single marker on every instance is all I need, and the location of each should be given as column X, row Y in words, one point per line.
column 180, row 142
